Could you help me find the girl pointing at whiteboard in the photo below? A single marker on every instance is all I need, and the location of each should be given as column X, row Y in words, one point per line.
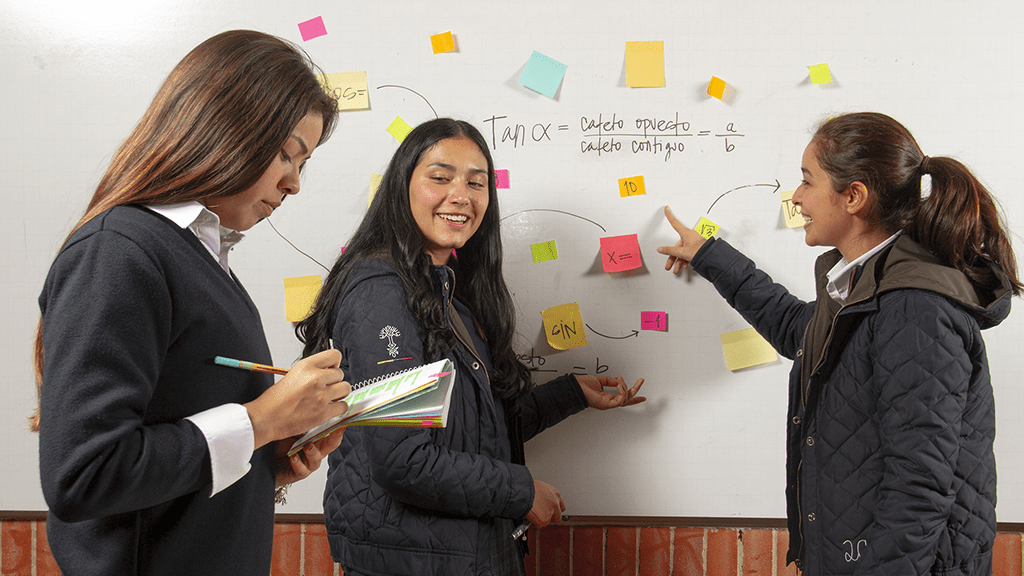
column 890, row 467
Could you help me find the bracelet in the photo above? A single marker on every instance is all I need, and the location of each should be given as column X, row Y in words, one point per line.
column 279, row 494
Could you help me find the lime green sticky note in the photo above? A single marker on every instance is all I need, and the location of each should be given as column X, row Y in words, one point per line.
column 645, row 64
column 746, row 348
column 632, row 186
column 716, row 87
column 706, row 228
column 299, row 295
column 399, row 128
column 820, row 74
column 790, row 211
column 442, row 42
column 544, row 251
column 348, row 88
column 563, row 326
column 374, row 185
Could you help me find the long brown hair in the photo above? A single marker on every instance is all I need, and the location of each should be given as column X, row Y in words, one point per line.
column 213, row 128
column 959, row 221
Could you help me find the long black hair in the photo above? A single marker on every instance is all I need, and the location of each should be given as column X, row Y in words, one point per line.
column 389, row 231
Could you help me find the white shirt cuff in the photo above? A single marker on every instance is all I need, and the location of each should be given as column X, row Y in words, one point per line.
column 230, row 439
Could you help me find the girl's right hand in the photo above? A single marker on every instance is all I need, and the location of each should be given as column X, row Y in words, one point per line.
column 683, row 252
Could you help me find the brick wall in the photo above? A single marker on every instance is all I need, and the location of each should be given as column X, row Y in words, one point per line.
column 300, row 549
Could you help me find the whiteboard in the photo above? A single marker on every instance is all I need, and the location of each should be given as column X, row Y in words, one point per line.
column 709, row 442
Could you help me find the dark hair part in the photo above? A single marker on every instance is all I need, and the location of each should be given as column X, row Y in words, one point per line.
column 389, row 231
column 214, row 126
column 959, row 222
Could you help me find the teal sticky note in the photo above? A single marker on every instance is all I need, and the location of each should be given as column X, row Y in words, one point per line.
column 543, row 74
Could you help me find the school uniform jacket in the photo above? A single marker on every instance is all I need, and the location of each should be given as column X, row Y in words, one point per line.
column 134, row 311
column 428, row 501
column 890, row 468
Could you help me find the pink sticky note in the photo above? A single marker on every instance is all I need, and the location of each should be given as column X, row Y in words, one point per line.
column 651, row 320
column 502, row 177
column 620, row 253
column 313, row 28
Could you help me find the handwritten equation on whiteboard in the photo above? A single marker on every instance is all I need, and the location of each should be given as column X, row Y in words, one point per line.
column 601, row 136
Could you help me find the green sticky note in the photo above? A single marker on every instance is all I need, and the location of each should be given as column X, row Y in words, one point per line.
column 399, row 128
column 544, row 251
column 820, row 74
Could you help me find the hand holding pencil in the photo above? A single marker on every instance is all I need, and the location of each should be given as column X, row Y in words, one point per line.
column 305, row 397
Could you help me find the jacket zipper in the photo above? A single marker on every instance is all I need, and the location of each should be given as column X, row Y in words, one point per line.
column 469, row 347
column 803, row 404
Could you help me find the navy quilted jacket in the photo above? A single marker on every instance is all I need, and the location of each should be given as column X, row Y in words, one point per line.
column 419, row 500
column 890, row 468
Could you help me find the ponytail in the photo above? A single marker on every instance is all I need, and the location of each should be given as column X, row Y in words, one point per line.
column 959, row 222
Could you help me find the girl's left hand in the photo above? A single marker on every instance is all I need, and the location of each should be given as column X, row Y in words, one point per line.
column 305, row 462
column 593, row 388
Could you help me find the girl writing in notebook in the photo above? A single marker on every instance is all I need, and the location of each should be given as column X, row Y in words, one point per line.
column 441, row 500
column 891, row 417
column 155, row 460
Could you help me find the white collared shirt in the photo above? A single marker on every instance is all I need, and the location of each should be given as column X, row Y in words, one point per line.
column 227, row 428
column 840, row 275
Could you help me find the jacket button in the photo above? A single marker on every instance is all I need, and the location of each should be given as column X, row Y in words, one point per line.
column 796, row 420
column 476, row 365
column 445, row 285
column 799, row 352
column 811, row 517
column 810, row 441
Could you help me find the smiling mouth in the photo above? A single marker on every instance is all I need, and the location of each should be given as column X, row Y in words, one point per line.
column 455, row 218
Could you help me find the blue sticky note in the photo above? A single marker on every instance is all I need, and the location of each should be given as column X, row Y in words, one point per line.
column 543, row 74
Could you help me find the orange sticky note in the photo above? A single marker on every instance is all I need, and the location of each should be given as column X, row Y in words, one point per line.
column 716, row 87
column 399, row 128
column 820, row 74
column 442, row 42
column 620, row 253
column 632, row 186
column 299, row 295
column 746, row 348
column 645, row 64
column 563, row 326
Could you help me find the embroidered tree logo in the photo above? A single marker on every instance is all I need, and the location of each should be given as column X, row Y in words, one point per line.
column 390, row 332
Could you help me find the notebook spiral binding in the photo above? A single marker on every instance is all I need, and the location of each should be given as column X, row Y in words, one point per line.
column 382, row 377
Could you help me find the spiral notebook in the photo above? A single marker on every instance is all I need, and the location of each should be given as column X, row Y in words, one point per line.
column 415, row 397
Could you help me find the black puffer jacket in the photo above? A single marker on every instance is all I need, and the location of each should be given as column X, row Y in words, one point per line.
column 891, row 420
column 428, row 501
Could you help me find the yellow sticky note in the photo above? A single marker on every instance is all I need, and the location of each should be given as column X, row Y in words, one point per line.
column 632, row 186
column 716, row 87
column 399, row 128
column 563, row 326
column 442, row 42
column 374, row 185
column 299, row 295
column 746, row 348
column 706, row 228
column 544, row 251
column 790, row 211
column 820, row 74
column 349, row 88
column 645, row 64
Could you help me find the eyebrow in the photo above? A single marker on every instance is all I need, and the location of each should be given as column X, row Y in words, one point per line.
column 452, row 168
column 305, row 148
column 805, row 171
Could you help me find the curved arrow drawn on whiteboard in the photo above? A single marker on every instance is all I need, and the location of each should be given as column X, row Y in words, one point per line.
column 560, row 212
column 635, row 333
column 777, row 185
column 414, row 92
